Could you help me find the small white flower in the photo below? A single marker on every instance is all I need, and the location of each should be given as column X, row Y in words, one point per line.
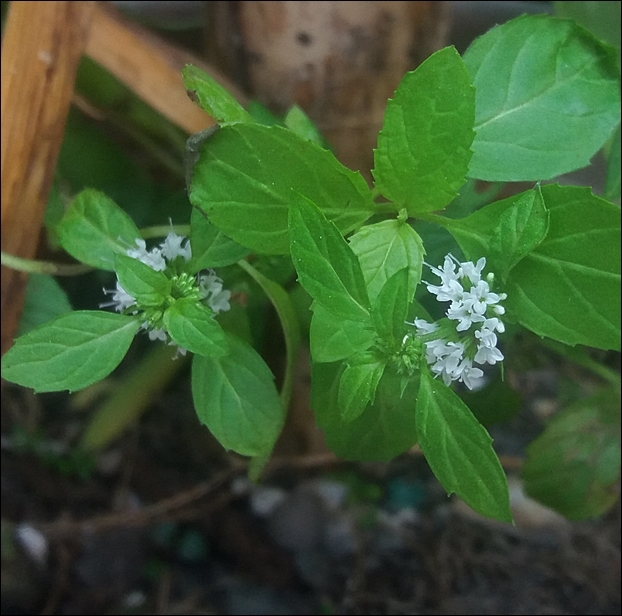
column 121, row 299
column 450, row 288
column 469, row 375
column 471, row 271
column 176, row 246
column 152, row 258
column 210, row 287
column 157, row 334
column 423, row 327
column 477, row 310
column 213, row 294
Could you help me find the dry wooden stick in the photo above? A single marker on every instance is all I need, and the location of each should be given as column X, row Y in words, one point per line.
column 42, row 45
column 150, row 67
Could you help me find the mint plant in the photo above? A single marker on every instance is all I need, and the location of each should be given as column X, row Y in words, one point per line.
column 392, row 331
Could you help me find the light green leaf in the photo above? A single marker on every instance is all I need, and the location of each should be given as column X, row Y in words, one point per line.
column 574, row 465
column 148, row 286
column 236, row 399
column 547, row 99
column 192, row 326
column 333, row 338
column 95, row 228
column 459, row 450
column 300, row 123
column 208, row 94
column 45, row 299
column 520, row 229
column 423, row 148
column 210, row 246
column 70, row 352
column 383, row 249
column 382, row 431
column 358, row 383
column 327, row 268
column 245, row 177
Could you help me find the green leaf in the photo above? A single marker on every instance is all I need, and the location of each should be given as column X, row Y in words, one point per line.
column 300, row 123
column 236, row 399
column 210, row 246
column 612, row 183
column 602, row 19
column 547, row 99
column 382, row 431
column 208, row 94
column 568, row 287
column 383, row 249
column 289, row 322
column 358, row 383
column 574, row 465
column 459, row 450
column 245, row 177
column 148, row 286
column 95, row 229
column 423, row 148
column 70, row 352
column 327, row 268
column 520, row 229
column 192, row 326
column 45, row 299
column 192, row 151
column 333, row 338
column 390, row 308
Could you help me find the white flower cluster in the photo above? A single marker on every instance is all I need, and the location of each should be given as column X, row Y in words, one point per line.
column 210, row 288
column 476, row 309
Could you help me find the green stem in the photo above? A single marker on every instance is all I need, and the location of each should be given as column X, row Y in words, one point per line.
column 149, row 233
column 443, row 221
column 33, row 266
column 280, row 300
column 132, row 397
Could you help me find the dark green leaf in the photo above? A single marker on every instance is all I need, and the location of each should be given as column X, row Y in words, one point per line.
column 236, row 399
column 423, row 148
column 459, row 450
column 192, row 326
column 385, row 248
column 327, row 268
column 245, row 177
column 390, row 308
column 574, row 465
column 333, row 338
column 148, row 286
column 520, row 229
column 70, row 352
column 208, row 94
column 547, row 99
column 568, row 287
column 382, row 431
column 95, row 229
column 612, row 184
column 44, row 300
column 210, row 246
column 358, row 383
